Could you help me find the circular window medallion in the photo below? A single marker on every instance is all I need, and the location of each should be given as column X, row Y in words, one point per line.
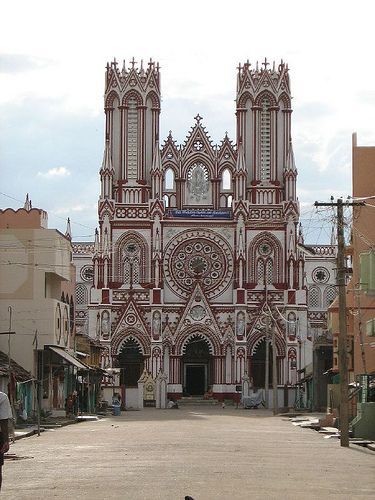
column 131, row 319
column 197, row 313
column 87, row 273
column 264, row 249
column 197, row 255
column 320, row 275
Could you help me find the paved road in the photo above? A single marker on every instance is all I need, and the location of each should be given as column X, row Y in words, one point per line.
column 210, row 453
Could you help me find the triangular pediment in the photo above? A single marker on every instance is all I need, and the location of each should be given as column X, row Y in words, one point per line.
column 152, row 83
column 156, row 207
column 198, row 312
column 247, row 84
column 133, row 80
column 169, row 151
column 130, row 318
column 240, row 208
column 226, row 151
column 198, row 141
column 265, row 82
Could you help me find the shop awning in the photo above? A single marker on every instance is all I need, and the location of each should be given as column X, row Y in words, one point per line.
column 68, row 357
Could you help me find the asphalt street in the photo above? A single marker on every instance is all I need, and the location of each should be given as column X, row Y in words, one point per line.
column 206, row 453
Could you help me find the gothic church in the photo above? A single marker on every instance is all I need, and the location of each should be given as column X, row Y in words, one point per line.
column 200, row 252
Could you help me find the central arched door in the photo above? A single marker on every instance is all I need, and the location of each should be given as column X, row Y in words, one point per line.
column 197, row 367
column 258, row 365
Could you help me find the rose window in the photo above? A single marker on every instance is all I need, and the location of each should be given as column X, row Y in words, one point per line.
column 198, row 256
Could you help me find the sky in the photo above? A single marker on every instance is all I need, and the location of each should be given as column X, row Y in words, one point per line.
column 52, row 65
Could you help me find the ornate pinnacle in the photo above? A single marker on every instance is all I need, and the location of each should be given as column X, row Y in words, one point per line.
column 198, row 118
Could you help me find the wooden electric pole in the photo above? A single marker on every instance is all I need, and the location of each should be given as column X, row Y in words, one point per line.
column 274, row 370
column 267, row 367
column 343, row 343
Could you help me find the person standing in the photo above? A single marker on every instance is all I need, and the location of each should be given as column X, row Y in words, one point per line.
column 5, row 415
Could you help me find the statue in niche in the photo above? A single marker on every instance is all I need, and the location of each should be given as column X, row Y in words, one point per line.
column 240, row 330
column 105, row 324
column 156, row 324
column 197, row 182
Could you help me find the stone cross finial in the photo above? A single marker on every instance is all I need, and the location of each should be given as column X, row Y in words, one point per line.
column 198, row 118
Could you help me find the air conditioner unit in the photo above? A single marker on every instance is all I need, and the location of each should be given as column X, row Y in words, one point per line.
column 367, row 271
column 370, row 328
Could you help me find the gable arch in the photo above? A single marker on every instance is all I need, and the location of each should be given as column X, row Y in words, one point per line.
column 246, row 96
column 276, row 256
column 258, row 336
column 201, row 333
column 152, row 95
column 111, row 97
column 120, row 338
column 199, row 159
column 132, row 94
column 141, row 256
column 285, row 99
column 266, row 94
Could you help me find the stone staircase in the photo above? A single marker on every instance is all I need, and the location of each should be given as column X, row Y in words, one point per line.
column 197, row 401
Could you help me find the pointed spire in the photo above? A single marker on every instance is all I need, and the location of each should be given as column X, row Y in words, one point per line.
column 27, row 204
column 106, row 244
column 240, row 165
column 156, row 160
column 290, row 163
column 96, row 243
column 107, row 160
column 301, row 238
column 68, row 232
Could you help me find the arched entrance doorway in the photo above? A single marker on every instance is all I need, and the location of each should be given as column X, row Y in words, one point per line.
column 130, row 360
column 258, row 365
column 197, row 367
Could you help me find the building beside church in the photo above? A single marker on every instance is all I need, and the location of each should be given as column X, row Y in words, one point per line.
column 199, row 254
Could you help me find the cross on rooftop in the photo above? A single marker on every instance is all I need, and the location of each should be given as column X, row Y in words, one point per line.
column 265, row 63
column 133, row 62
column 198, row 118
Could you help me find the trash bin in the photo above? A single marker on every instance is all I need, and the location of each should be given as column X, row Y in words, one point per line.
column 116, row 408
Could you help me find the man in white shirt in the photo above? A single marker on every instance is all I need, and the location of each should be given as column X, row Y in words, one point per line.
column 5, row 415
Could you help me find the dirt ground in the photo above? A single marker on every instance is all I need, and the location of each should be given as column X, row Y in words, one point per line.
column 206, row 453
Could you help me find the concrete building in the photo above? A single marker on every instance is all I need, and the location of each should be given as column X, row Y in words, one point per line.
column 362, row 286
column 199, row 251
column 37, row 286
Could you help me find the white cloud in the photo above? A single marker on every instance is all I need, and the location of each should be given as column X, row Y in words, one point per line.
column 55, row 172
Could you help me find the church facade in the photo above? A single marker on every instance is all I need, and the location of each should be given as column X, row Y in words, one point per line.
column 199, row 257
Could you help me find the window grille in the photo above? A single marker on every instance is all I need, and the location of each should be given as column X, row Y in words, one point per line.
column 265, row 141
column 81, row 294
column 330, row 296
column 132, row 138
column 314, row 298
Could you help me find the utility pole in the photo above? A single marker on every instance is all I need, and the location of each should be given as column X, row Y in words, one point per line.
column 343, row 345
column 38, row 381
column 274, row 370
column 267, row 368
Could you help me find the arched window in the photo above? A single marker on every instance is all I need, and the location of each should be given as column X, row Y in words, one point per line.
column 265, row 140
column 330, row 295
column 166, row 200
column 260, row 272
column 292, row 325
column 169, row 179
column 269, row 271
column 131, row 263
column 227, row 179
column 81, row 295
column 315, row 298
column 229, row 201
